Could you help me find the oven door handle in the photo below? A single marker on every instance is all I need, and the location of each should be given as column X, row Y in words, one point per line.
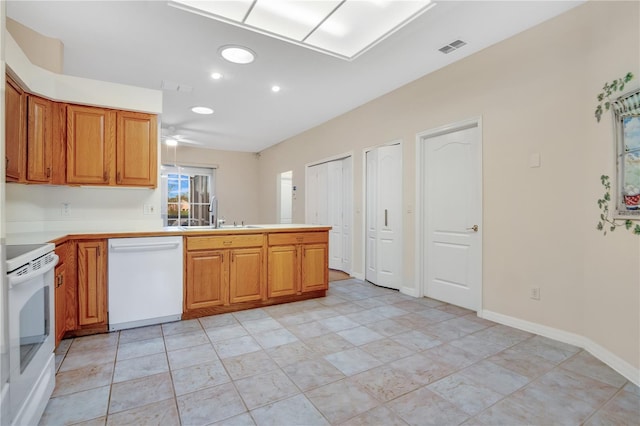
column 15, row 280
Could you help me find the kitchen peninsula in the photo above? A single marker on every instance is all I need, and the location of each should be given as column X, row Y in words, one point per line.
column 224, row 270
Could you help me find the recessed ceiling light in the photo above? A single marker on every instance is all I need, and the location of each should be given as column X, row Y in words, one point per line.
column 216, row 75
column 171, row 142
column 275, row 89
column 202, row 110
column 237, row 54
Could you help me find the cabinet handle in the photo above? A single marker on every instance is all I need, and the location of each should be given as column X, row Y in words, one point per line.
column 227, row 243
column 48, row 172
column 105, row 176
column 118, row 177
column 386, row 217
column 299, row 239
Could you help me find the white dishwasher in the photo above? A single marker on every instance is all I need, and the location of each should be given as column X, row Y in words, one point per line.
column 145, row 281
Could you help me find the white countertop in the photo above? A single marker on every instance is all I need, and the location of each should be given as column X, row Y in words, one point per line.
column 45, row 236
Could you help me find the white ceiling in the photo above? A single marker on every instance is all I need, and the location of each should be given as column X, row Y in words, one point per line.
column 144, row 43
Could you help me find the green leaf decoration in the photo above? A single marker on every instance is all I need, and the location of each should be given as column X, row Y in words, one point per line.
column 604, row 103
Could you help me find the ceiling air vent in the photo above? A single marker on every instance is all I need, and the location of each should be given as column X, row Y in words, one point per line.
column 452, row 46
column 447, row 49
column 172, row 86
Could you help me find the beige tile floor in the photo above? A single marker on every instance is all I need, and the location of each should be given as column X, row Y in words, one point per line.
column 363, row 355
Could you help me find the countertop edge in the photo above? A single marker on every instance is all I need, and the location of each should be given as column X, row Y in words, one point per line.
column 61, row 237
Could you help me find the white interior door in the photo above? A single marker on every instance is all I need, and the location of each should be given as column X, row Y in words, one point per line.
column 347, row 213
column 371, row 217
column 285, row 197
column 453, row 211
column 329, row 202
column 317, row 212
column 335, row 197
column 384, row 216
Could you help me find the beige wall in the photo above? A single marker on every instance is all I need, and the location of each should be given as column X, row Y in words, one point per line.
column 536, row 94
column 236, row 179
column 43, row 51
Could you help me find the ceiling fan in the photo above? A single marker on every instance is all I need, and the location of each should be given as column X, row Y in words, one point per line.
column 170, row 136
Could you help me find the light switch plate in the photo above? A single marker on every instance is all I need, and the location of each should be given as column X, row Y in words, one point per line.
column 534, row 160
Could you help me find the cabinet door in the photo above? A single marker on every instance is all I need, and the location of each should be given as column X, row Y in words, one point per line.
column 315, row 268
column 15, row 130
column 207, row 279
column 90, row 145
column 283, row 271
column 39, row 139
column 136, row 149
column 60, row 284
column 92, row 280
column 246, row 277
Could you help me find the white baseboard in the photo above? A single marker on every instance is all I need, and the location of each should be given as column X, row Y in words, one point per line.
column 410, row 291
column 630, row 372
column 357, row 276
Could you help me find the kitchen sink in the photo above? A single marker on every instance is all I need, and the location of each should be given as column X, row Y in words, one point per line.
column 223, row 227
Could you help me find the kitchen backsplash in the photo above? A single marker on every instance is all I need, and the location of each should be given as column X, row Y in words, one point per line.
column 44, row 208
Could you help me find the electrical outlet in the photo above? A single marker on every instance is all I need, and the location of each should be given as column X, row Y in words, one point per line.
column 149, row 209
column 65, row 209
column 535, row 293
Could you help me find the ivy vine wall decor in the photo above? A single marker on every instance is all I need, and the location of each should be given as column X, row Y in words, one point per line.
column 626, row 191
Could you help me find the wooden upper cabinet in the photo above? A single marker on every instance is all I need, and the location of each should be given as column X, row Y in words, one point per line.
column 58, row 143
column 15, row 130
column 40, row 117
column 90, row 145
column 136, row 149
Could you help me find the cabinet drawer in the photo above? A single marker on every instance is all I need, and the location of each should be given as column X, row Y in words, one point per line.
column 298, row 238
column 224, row 241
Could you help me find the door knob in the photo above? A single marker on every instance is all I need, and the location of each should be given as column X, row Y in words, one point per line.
column 474, row 228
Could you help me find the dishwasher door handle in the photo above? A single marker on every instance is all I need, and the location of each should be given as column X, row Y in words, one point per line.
column 145, row 246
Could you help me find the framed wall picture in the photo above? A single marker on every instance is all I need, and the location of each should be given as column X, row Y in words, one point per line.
column 626, row 110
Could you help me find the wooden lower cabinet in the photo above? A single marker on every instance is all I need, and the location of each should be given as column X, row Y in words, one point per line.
column 315, row 268
column 283, row 271
column 60, row 284
column 223, row 270
column 92, row 282
column 206, row 279
column 298, row 263
column 246, row 275
column 80, row 288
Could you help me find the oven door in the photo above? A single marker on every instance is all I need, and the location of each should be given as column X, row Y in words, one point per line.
column 31, row 342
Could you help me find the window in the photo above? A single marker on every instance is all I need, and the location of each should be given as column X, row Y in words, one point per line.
column 186, row 192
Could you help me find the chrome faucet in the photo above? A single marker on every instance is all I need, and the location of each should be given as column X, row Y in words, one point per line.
column 213, row 212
